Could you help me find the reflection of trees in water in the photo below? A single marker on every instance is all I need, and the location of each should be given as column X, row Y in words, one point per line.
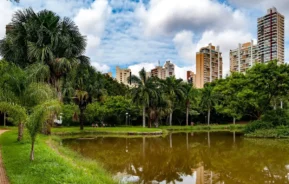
column 215, row 157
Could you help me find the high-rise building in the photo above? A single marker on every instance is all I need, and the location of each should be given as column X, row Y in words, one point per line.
column 209, row 65
column 9, row 27
column 159, row 72
column 271, row 36
column 122, row 75
column 191, row 77
column 163, row 72
column 242, row 58
column 169, row 69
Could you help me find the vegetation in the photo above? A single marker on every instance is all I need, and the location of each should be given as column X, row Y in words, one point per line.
column 51, row 166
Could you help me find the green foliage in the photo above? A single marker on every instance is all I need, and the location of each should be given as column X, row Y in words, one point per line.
column 256, row 125
column 70, row 114
column 16, row 113
column 50, row 167
column 278, row 117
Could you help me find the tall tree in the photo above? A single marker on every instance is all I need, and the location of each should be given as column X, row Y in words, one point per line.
column 145, row 90
column 190, row 95
column 44, row 38
column 175, row 91
column 208, row 100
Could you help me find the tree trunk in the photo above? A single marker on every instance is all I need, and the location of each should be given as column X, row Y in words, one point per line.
column 171, row 118
column 81, row 119
column 234, row 120
column 187, row 116
column 144, row 116
column 20, row 131
column 209, row 114
column 32, row 150
column 4, row 119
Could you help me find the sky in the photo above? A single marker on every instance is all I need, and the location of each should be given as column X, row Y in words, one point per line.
column 140, row 33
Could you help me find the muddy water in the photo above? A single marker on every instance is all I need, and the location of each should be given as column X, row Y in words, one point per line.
column 195, row 158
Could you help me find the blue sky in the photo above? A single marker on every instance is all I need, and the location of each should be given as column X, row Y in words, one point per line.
column 139, row 33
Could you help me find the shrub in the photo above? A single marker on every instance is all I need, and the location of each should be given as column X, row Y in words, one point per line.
column 258, row 124
column 278, row 117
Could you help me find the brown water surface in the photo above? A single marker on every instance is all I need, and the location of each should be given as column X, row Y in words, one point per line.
column 195, row 158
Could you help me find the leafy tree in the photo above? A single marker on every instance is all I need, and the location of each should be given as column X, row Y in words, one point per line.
column 144, row 91
column 230, row 95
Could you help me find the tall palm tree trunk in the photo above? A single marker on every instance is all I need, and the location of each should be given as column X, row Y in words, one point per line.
column 20, row 131
column 144, row 116
column 171, row 118
column 81, row 119
column 234, row 120
column 209, row 115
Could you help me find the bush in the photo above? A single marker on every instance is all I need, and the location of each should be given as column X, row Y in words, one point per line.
column 277, row 117
column 68, row 111
column 256, row 125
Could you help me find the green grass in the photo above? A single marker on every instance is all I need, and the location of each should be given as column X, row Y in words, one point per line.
column 58, row 165
column 107, row 130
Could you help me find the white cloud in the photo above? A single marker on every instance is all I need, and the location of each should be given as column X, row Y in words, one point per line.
column 184, row 44
column 100, row 67
column 137, row 67
column 181, row 72
column 169, row 17
column 91, row 22
column 7, row 11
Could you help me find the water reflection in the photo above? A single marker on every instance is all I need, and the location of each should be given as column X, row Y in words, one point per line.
column 198, row 158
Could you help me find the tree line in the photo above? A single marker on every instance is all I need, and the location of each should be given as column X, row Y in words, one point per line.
column 44, row 72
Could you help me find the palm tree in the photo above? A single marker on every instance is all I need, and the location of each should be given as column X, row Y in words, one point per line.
column 44, row 38
column 190, row 94
column 208, row 99
column 39, row 116
column 145, row 90
column 175, row 91
column 83, row 85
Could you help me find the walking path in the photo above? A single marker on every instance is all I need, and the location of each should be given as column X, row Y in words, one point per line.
column 3, row 176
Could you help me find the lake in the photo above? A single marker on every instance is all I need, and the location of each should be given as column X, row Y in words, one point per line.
column 195, row 158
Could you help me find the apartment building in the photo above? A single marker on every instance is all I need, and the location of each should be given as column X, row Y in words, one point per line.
column 191, row 77
column 159, row 72
column 271, row 36
column 163, row 72
column 244, row 57
column 122, row 75
column 169, row 69
column 209, row 65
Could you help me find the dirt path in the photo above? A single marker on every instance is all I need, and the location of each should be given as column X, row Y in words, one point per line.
column 3, row 176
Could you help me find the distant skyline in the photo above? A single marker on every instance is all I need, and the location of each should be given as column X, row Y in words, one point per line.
column 136, row 34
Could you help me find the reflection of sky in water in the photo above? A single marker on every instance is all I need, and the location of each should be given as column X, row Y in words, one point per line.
column 190, row 158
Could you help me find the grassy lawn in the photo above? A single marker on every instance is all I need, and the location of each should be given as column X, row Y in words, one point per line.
column 112, row 130
column 58, row 165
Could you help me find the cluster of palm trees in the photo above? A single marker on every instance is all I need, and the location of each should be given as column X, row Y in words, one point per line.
column 41, row 52
column 160, row 98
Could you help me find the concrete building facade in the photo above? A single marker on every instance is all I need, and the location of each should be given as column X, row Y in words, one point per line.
column 209, row 65
column 122, row 75
column 191, row 78
column 169, row 69
column 159, row 72
column 244, row 57
column 271, row 36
